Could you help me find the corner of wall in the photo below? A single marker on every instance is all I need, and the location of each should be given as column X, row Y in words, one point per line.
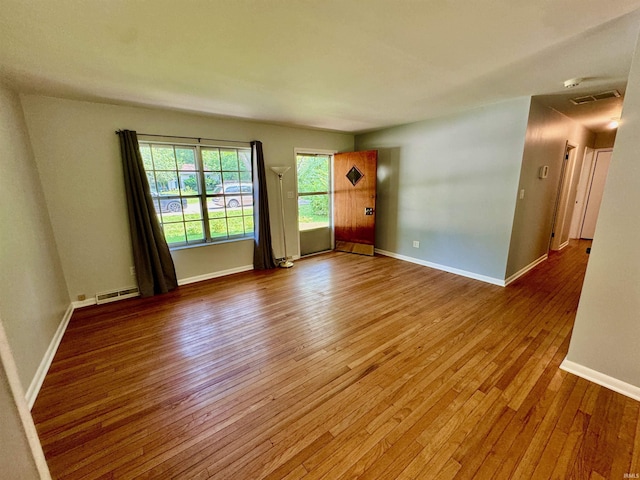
column 33, row 292
column 47, row 359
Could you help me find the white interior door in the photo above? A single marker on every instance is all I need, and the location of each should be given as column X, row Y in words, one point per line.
column 600, row 170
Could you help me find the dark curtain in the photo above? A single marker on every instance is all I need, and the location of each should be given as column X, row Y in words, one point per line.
column 262, row 248
column 154, row 266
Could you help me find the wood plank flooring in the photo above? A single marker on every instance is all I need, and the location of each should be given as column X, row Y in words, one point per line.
column 344, row 366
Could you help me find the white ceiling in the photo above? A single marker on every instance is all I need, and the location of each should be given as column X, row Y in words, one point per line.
column 347, row 65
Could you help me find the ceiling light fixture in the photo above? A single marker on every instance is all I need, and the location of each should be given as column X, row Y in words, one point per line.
column 572, row 82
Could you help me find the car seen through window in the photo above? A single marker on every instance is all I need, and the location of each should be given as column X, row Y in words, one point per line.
column 233, row 195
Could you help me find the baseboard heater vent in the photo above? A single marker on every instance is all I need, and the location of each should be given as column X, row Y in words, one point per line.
column 106, row 297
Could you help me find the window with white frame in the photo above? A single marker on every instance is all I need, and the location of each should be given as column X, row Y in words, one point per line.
column 314, row 183
column 202, row 194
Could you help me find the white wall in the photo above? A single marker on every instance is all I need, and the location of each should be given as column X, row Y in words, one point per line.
column 33, row 292
column 547, row 134
column 607, row 327
column 451, row 183
column 78, row 156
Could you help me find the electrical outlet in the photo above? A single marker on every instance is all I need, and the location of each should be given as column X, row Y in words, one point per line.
column 132, row 271
column 521, row 194
column 416, row 244
column 289, row 194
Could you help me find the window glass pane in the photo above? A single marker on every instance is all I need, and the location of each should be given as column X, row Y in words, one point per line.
column 229, row 160
column 193, row 210
column 174, row 232
column 189, row 184
column 216, row 210
column 218, row 227
column 145, row 151
column 247, row 199
column 247, row 210
column 213, row 180
column 245, row 177
column 230, row 177
column 211, row 159
column 171, row 209
column 248, row 224
column 234, row 205
column 244, row 160
column 152, row 183
column 236, row 226
column 167, row 183
column 313, row 211
column 313, row 173
column 195, row 232
column 216, row 204
column 163, row 157
column 186, row 158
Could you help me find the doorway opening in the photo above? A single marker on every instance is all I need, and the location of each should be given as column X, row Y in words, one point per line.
column 315, row 206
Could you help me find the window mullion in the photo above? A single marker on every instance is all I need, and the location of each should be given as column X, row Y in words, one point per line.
column 203, row 194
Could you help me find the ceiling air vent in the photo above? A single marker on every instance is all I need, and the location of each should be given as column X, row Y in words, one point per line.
column 595, row 97
column 605, row 95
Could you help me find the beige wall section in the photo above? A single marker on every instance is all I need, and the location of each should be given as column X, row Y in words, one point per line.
column 190, row 262
column 607, row 327
column 547, row 134
column 451, row 184
column 21, row 455
column 33, row 293
column 78, row 156
column 605, row 139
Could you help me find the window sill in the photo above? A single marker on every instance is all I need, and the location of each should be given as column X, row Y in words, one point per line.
column 314, row 229
column 209, row 244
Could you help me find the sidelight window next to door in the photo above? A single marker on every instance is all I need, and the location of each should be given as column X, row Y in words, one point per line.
column 314, row 202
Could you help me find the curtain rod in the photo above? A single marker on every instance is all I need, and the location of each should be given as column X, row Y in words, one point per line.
column 187, row 138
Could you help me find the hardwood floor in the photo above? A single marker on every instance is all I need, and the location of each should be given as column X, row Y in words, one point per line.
column 342, row 367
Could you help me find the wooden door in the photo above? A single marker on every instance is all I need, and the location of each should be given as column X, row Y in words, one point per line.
column 354, row 183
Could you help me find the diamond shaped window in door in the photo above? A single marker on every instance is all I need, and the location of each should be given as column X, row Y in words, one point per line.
column 354, row 175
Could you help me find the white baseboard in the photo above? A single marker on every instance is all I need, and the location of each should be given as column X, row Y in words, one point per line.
column 444, row 268
column 185, row 281
column 84, row 303
column 209, row 276
column 601, row 379
column 524, row 270
column 38, row 379
column 563, row 245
